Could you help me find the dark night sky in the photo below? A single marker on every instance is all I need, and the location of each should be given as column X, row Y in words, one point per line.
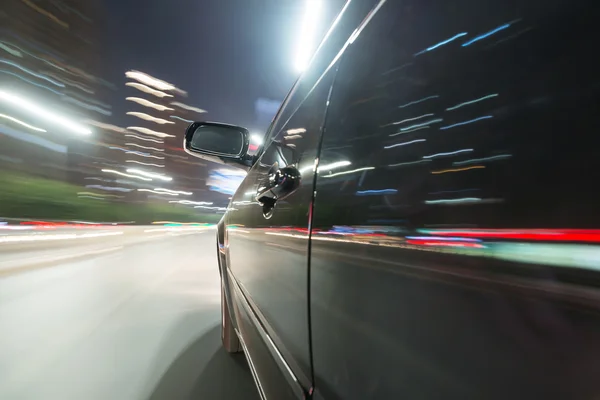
column 224, row 53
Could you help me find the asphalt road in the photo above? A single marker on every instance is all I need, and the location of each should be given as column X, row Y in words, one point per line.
column 122, row 313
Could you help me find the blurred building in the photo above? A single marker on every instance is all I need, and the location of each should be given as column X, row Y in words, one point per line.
column 51, row 68
column 152, row 145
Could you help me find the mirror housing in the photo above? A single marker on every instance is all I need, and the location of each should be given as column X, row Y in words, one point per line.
column 219, row 143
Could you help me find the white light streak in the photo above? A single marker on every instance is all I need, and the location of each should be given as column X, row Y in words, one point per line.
column 109, row 127
column 143, row 147
column 149, row 174
column 154, row 191
column 109, row 188
column 150, row 118
column 147, row 103
column 18, row 121
column 405, row 143
column 186, row 107
column 142, row 163
column 44, row 113
column 454, row 201
column 149, row 80
column 410, row 119
column 189, row 202
column 145, row 139
column 149, row 131
column 148, row 90
column 173, row 191
column 295, row 131
column 307, row 34
column 348, row 172
column 137, row 153
column 448, row 153
column 112, row 171
column 333, row 165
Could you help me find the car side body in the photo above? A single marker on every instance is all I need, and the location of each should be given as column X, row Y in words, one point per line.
column 422, row 218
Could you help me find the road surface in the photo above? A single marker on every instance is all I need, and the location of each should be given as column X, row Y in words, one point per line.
column 114, row 313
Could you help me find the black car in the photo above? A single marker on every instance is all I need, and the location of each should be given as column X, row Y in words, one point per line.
column 422, row 220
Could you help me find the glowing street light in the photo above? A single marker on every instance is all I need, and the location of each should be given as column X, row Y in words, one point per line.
column 307, row 35
column 256, row 139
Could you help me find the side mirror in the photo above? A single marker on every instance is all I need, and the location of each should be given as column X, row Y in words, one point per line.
column 220, row 143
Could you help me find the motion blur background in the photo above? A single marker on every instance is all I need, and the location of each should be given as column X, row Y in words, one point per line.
column 95, row 97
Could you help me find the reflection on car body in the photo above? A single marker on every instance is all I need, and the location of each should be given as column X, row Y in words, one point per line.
column 441, row 239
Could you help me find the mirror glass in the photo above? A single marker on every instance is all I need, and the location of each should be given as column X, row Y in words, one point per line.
column 218, row 139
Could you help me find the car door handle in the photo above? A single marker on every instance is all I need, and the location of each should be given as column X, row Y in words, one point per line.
column 280, row 184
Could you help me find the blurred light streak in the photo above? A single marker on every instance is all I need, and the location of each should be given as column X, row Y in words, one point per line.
column 433, row 121
column 30, row 72
column 112, row 171
column 448, row 153
column 409, row 119
column 71, row 82
column 457, row 169
column 408, row 163
column 443, row 243
column 212, row 208
column 435, row 46
column 147, row 103
column 154, row 191
column 29, row 138
column 295, row 131
column 145, row 139
column 476, row 160
column 22, row 123
column 498, row 29
column 348, row 172
column 6, row 48
column 412, row 130
column 149, row 131
column 148, row 90
column 90, row 197
column 31, row 82
column 561, row 235
column 466, row 122
column 186, row 107
column 41, row 112
column 375, row 192
column 85, row 105
column 173, row 191
column 466, row 103
column 139, row 153
column 150, row 118
column 149, row 174
column 109, row 188
column 454, row 201
column 181, row 119
column 143, row 147
column 46, row 237
column 195, row 203
column 109, row 127
column 405, row 143
column 149, row 80
column 333, row 165
column 142, row 163
column 97, row 194
column 419, row 101
column 307, row 34
column 46, row 13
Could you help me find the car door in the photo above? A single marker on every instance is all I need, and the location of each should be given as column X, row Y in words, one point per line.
column 267, row 239
column 455, row 248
